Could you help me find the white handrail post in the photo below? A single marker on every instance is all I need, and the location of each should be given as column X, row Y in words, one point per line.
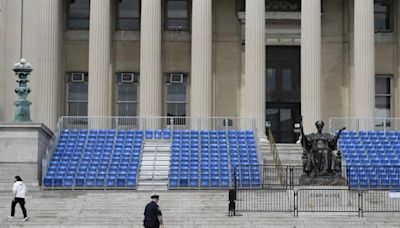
column 357, row 124
column 172, row 124
column 199, row 124
column 384, row 124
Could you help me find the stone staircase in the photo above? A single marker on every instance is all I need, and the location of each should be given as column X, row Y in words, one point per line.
column 181, row 209
column 154, row 167
column 289, row 153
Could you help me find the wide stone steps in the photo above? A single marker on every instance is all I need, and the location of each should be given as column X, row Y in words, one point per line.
column 289, row 154
column 154, row 167
column 180, row 209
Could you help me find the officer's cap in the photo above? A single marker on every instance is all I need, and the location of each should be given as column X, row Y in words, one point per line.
column 155, row 197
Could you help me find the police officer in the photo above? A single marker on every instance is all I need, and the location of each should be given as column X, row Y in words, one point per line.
column 152, row 214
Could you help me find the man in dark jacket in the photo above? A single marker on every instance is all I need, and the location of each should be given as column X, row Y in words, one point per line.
column 152, row 214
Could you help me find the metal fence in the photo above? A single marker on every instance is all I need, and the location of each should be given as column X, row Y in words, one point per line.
column 275, row 177
column 327, row 200
column 379, row 200
column 264, row 200
column 288, row 177
column 50, row 151
column 153, row 123
column 314, row 199
column 356, row 124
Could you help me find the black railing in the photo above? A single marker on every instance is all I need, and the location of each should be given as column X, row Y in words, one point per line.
column 271, row 176
column 276, row 192
column 264, row 200
column 316, row 200
column 380, row 200
column 327, row 200
column 288, row 177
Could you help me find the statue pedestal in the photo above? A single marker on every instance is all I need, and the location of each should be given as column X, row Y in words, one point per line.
column 22, row 146
column 322, row 181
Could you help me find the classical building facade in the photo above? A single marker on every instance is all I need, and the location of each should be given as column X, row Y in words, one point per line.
column 272, row 60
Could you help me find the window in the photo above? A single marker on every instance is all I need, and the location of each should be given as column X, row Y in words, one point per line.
column 127, row 94
column 383, row 13
column 77, row 94
column 177, row 15
column 128, row 15
column 271, row 79
column 287, row 79
column 383, row 97
column 176, row 96
column 78, row 14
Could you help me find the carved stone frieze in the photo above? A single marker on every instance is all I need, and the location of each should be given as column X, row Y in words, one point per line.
column 283, row 5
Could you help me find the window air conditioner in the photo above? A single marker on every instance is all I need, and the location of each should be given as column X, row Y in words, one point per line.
column 176, row 78
column 78, row 77
column 127, row 77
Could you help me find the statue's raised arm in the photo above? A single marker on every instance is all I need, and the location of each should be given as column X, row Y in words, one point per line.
column 336, row 138
column 339, row 133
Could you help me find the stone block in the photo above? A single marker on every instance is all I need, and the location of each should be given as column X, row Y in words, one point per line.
column 22, row 146
column 322, row 181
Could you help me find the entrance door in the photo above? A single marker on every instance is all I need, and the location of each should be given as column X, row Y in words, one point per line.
column 283, row 91
column 282, row 118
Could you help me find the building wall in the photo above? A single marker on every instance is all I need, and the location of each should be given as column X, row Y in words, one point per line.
column 11, row 54
column 228, row 52
column 2, row 56
column 227, row 59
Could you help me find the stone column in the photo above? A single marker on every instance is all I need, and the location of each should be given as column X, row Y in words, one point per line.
column 363, row 95
column 310, row 63
column 150, row 104
column 51, row 74
column 100, row 76
column 254, row 100
column 201, row 96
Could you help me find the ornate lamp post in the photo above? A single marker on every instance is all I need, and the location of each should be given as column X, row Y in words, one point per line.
column 22, row 112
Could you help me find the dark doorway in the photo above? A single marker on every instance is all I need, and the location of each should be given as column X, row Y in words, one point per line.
column 283, row 91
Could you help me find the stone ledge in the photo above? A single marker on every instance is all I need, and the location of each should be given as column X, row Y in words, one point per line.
column 322, row 181
column 27, row 125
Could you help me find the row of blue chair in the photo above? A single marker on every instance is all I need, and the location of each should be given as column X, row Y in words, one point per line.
column 70, row 182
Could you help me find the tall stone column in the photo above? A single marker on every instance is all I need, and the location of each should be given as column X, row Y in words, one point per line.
column 100, row 76
column 150, row 62
column 51, row 62
column 254, row 100
column 310, row 63
column 363, row 91
column 201, row 96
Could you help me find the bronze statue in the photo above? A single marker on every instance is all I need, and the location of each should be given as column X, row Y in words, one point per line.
column 320, row 155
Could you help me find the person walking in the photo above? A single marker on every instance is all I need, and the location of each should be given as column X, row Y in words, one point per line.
column 19, row 191
column 152, row 214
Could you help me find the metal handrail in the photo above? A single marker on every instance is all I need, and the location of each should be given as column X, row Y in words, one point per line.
column 157, row 122
column 46, row 158
column 257, row 139
column 357, row 124
column 275, row 156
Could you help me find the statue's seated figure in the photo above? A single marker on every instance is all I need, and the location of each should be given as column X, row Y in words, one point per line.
column 320, row 155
